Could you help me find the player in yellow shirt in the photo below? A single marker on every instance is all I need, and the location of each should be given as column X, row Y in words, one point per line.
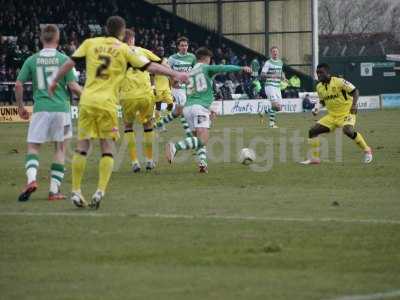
column 137, row 101
column 162, row 88
column 107, row 59
column 340, row 99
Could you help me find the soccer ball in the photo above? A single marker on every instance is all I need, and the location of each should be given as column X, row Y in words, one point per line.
column 247, row 156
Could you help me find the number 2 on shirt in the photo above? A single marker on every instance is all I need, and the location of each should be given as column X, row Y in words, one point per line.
column 101, row 70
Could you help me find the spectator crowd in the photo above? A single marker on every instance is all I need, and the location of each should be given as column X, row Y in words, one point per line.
column 20, row 27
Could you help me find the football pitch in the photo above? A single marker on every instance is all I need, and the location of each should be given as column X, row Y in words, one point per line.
column 271, row 230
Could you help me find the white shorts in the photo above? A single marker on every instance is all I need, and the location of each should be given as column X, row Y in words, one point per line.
column 179, row 96
column 49, row 127
column 273, row 93
column 197, row 116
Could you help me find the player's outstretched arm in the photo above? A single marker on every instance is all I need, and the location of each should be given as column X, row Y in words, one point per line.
column 19, row 93
column 156, row 68
column 216, row 69
column 64, row 69
column 355, row 94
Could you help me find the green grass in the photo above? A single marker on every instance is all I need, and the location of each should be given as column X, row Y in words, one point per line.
column 231, row 234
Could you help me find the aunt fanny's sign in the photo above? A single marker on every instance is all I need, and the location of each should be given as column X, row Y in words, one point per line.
column 259, row 106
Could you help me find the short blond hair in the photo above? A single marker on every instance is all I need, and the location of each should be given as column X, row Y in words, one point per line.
column 49, row 33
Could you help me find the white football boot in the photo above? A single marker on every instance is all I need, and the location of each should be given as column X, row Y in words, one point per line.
column 368, row 157
column 78, row 200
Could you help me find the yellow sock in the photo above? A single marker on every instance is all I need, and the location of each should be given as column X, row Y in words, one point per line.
column 148, row 140
column 105, row 169
column 131, row 138
column 314, row 144
column 78, row 168
column 361, row 142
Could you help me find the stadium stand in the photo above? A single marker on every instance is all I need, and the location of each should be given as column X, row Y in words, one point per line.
column 20, row 26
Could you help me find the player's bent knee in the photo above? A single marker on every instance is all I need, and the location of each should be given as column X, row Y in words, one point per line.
column 106, row 145
column 148, row 126
column 276, row 106
column 60, row 146
column 349, row 131
column 128, row 127
column 178, row 110
column 83, row 146
column 80, row 152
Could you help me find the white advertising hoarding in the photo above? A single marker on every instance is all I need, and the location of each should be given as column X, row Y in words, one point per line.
column 256, row 106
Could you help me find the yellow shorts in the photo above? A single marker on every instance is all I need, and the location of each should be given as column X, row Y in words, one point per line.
column 97, row 123
column 142, row 109
column 164, row 96
column 332, row 121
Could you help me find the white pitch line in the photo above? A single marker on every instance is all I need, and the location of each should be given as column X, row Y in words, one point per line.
column 377, row 296
column 97, row 214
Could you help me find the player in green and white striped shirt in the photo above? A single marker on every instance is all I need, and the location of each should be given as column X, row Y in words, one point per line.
column 197, row 112
column 182, row 61
column 51, row 118
column 273, row 72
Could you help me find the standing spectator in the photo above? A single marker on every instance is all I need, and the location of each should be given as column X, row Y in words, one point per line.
column 243, row 60
column 226, row 90
column 255, row 67
column 308, row 105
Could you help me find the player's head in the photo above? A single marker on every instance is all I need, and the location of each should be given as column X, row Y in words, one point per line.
column 115, row 27
column 204, row 55
column 183, row 44
column 323, row 72
column 129, row 37
column 160, row 51
column 274, row 52
column 50, row 35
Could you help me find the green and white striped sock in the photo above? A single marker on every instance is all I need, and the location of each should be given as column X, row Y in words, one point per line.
column 165, row 120
column 189, row 143
column 202, row 156
column 31, row 166
column 271, row 114
column 57, row 176
column 185, row 126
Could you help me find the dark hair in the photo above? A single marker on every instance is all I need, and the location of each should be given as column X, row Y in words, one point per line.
column 115, row 25
column 203, row 52
column 48, row 33
column 160, row 51
column 182, row 39
column 323, row 66
column 129, row 34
